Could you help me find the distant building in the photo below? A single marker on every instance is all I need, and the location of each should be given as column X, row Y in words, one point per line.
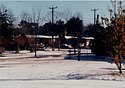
column 47, row 40
column 87, row 41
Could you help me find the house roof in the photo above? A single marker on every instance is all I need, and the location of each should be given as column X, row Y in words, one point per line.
column 67, row 37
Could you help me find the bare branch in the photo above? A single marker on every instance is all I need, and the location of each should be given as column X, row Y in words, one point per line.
column 66, row 14
column 78, row 14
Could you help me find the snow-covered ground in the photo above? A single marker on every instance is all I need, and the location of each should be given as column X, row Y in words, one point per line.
column 55, row 68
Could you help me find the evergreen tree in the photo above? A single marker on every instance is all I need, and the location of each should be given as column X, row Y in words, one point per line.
column 6, row 28
column 6, row 25
column 74, row 26
column 110, row 41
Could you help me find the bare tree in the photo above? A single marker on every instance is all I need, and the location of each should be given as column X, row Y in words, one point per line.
column 78, row 14
column 34, row 16
column 42, row 19
column 67, row 14
column 63, row 15
column 39, row 12
column 25, row 15
column 48, row 17
column 58, row 16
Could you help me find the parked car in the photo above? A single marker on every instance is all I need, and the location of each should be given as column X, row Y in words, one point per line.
column 64, row 46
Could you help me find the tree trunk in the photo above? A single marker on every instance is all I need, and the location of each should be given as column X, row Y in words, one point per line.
column 1, row 50
column 118, row 63
column 52, row 43
column 59, row 44
column 74, row 50
column 17, row 48
column 119, row 68
column 79, row 52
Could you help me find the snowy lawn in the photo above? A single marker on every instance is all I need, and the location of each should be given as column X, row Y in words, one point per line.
column 62, row 84
column 24, row 69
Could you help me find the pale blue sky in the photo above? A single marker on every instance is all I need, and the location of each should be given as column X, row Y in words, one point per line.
column 83, row 7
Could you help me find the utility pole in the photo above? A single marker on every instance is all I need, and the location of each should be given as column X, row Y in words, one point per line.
column 94, row 10
column 52, row 23
column 110, row 11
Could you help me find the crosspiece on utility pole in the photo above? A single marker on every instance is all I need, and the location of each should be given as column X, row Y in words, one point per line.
column 94, row 10
column 52, row 23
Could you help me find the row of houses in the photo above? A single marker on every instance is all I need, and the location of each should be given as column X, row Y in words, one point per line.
column 43, row 41
column 47, row 41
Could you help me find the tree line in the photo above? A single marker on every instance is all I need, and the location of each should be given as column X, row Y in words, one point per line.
column 32, row 24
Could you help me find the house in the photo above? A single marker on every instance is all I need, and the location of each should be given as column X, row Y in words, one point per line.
column 47, row 40
column 87, row 41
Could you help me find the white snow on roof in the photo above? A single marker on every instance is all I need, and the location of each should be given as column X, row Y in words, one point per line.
column 45, row 36
column 87, row 38
column 67, row 37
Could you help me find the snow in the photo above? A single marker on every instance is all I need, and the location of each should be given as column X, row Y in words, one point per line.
column 54, row 69
column 62, row 84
